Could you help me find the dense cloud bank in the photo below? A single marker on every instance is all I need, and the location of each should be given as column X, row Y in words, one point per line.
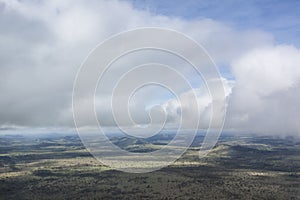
column 44, row 42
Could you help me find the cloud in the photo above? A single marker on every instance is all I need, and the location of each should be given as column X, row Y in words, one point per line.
column 204, row 104
column 46, row 41
column 266, row 91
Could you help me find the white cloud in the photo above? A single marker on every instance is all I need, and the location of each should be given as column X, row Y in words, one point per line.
column 266, row 90
column 204, row 104
column 46, row 41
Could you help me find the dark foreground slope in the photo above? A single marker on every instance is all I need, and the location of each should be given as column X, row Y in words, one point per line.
column 238, row 168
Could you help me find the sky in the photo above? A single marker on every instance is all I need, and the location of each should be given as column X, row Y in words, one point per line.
column 281, row 18
column 253, row 43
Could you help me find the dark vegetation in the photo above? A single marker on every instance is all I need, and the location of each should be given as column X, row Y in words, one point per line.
column 59, row 167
